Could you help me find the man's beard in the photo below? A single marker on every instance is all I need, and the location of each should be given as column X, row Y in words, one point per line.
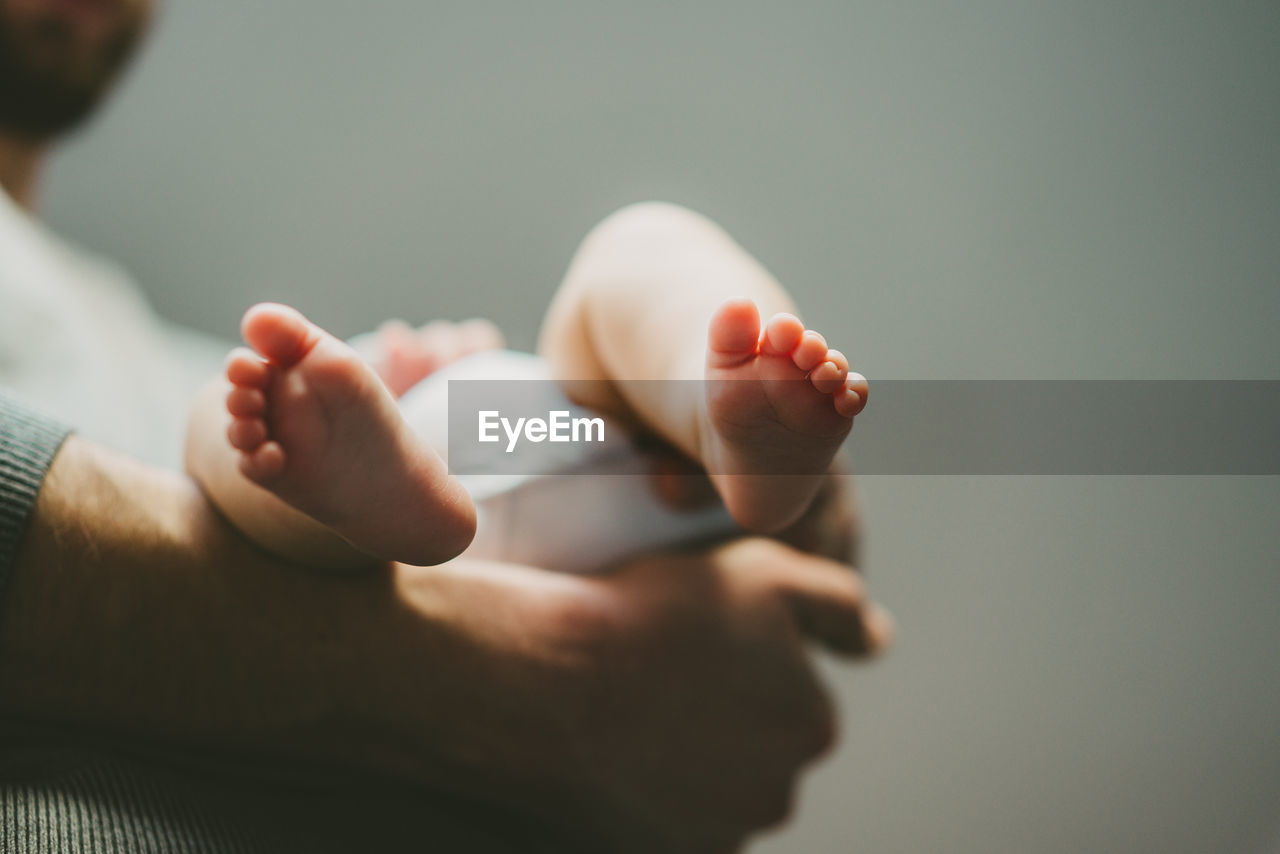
column 49, row 82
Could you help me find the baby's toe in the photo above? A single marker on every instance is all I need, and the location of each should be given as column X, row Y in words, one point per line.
column 782, row 335
column 828, row 377
column 280, row 333
column 811, row 351
column 246, row 434
column 734, row 332
column 397, row 341
column 837, row 358
column 264, row 463
column 246, row 402
column 858, row 383
column 246, row 368
column 848, row 402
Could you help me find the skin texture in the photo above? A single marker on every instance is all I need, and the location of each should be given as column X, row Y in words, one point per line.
column 672, row 703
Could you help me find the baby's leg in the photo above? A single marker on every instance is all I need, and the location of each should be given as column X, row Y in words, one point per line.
column 317, row 429
column 646, row 299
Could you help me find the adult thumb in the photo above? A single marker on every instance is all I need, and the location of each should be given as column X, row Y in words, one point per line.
column 831, row 606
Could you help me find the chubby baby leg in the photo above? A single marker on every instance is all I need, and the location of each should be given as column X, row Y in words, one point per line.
column 657, row 292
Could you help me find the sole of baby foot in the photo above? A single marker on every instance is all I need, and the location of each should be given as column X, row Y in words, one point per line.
column 316, row 426
column 778, row 405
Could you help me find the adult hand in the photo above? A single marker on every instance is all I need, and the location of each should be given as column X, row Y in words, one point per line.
column 669, row 706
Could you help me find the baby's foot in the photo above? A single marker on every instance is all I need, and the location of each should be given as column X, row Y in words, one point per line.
column 408, row 355
column 315, row 426
column 778, row 405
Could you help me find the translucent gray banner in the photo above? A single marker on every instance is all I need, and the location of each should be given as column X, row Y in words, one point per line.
column 913, row 427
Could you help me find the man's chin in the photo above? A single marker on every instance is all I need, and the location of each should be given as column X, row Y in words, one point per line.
column 59, row 59
column 44, row 105
column 40, row 107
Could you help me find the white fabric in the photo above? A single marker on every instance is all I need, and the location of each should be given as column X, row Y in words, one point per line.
column 598, row 507
column 78, row 342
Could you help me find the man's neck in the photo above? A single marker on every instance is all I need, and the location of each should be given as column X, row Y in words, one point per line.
column 20, row 161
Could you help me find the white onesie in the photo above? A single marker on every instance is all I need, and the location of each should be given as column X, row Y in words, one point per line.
column 587, row 506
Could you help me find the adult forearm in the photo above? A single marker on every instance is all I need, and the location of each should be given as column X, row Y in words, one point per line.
column 134, row 608
column 135, row 611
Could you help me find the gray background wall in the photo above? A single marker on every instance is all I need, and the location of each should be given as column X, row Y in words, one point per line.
column 958, row 190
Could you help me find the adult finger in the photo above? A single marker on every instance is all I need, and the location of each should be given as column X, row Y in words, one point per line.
column 830, row 526
column 831, row 605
